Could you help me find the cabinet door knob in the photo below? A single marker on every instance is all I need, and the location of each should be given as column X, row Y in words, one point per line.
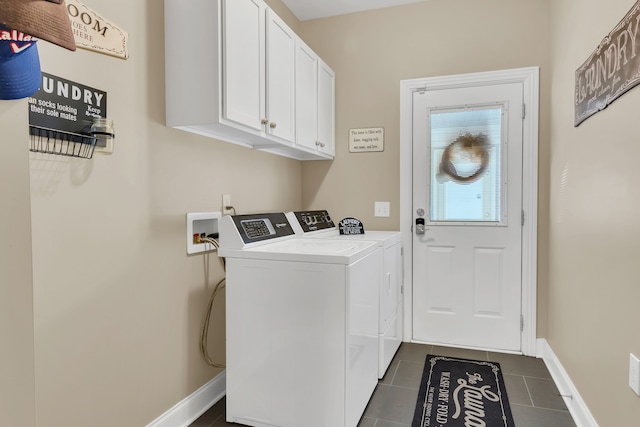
column 272, row 125
column 264, row 121
column 319, row 144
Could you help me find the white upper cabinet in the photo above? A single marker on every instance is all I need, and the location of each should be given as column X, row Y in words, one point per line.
column 281, row 49
column 306, row 96
column 232, row 73
column 326, row 108
column 315, row 101
column 243, row 62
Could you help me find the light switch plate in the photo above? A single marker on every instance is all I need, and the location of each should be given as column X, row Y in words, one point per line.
column 382, row 209
column 634, row 374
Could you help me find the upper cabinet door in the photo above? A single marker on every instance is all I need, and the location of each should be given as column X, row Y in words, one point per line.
column 243, row 84
column 243, row 88
column 306, row 96
column 326, row 108
column 281, row 47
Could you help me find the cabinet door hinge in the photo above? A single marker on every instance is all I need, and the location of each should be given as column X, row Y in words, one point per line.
column 524, row 111
column 521, row 323
column 522, row 218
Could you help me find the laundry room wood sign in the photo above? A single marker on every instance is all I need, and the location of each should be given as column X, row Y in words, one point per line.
column 364, row 140
column 611, row 70
column 93, row 32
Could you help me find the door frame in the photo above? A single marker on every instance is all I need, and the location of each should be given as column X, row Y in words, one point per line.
column 529, row 77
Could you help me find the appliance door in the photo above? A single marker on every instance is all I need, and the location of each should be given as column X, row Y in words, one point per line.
column 363, row 278
column 286, row 343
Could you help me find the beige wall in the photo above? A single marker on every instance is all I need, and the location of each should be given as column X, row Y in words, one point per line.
column 117, row 303
column 372, row 52
column 283, row 12
column 108, row 333
column 17, row 387
column 594, row 280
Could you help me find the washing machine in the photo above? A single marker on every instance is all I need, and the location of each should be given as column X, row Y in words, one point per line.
column 301, row 324
column 318, row 224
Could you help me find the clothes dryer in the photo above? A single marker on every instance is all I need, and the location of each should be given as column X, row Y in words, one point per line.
column 318, row 224
column 301, row 324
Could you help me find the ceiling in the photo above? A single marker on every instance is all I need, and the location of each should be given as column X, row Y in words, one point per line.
column 312, row 9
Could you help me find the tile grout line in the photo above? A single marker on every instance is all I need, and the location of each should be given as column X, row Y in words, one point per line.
column 395, row 372
column 542, row 408
column 538, row 378
column 401, row 386
column 528, row 391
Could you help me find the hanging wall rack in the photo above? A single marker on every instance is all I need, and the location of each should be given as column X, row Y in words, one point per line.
column 62, row 143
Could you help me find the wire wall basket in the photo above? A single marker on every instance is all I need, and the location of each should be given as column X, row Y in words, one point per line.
column 51, row 141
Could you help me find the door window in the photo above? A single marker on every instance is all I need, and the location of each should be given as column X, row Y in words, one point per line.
column 466, row 185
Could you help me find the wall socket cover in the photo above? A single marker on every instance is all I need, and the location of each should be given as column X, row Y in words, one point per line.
column 201, row 222
column 382, row 209
column 634, row 374
column 226, row 201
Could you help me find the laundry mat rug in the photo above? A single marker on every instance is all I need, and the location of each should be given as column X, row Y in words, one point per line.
column 461, row 393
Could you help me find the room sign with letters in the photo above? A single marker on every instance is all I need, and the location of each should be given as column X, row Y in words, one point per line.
column 66, row 106
column 363, row 140
column 611, row 70
column 93, row 32
column 69, row 119
column 350, row 226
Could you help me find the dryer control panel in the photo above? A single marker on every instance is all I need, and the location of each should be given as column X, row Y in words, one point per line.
column 314, row 220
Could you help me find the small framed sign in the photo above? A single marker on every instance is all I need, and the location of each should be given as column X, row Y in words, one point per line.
column 350, row 226
column 365, row 140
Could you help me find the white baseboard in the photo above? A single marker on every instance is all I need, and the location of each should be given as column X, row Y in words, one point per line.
column 577, row 407
column 191, row 407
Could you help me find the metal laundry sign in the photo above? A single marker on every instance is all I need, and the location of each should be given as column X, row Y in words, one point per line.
column 611, row 70
column 66, row 106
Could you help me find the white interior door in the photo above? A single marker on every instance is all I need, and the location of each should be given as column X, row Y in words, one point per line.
column 467, row 195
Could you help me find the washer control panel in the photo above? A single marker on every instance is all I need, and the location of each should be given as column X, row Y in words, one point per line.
column 314, row 220
column 258, row 227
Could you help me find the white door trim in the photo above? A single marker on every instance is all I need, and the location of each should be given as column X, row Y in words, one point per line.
column 529, row 77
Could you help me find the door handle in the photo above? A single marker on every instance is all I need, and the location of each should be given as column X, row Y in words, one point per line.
column 420, row 228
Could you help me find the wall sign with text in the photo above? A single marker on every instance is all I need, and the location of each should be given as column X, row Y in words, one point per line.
column 350, row 226
column 93, row 32
column 611, row 70
column 66, row 106
column 363, row 140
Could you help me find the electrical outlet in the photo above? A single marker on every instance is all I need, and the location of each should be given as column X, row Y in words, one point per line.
column 382, row 209
column 634, row 374
column 226, row 203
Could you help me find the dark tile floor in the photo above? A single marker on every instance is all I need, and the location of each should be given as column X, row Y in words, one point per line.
column 534, row 398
